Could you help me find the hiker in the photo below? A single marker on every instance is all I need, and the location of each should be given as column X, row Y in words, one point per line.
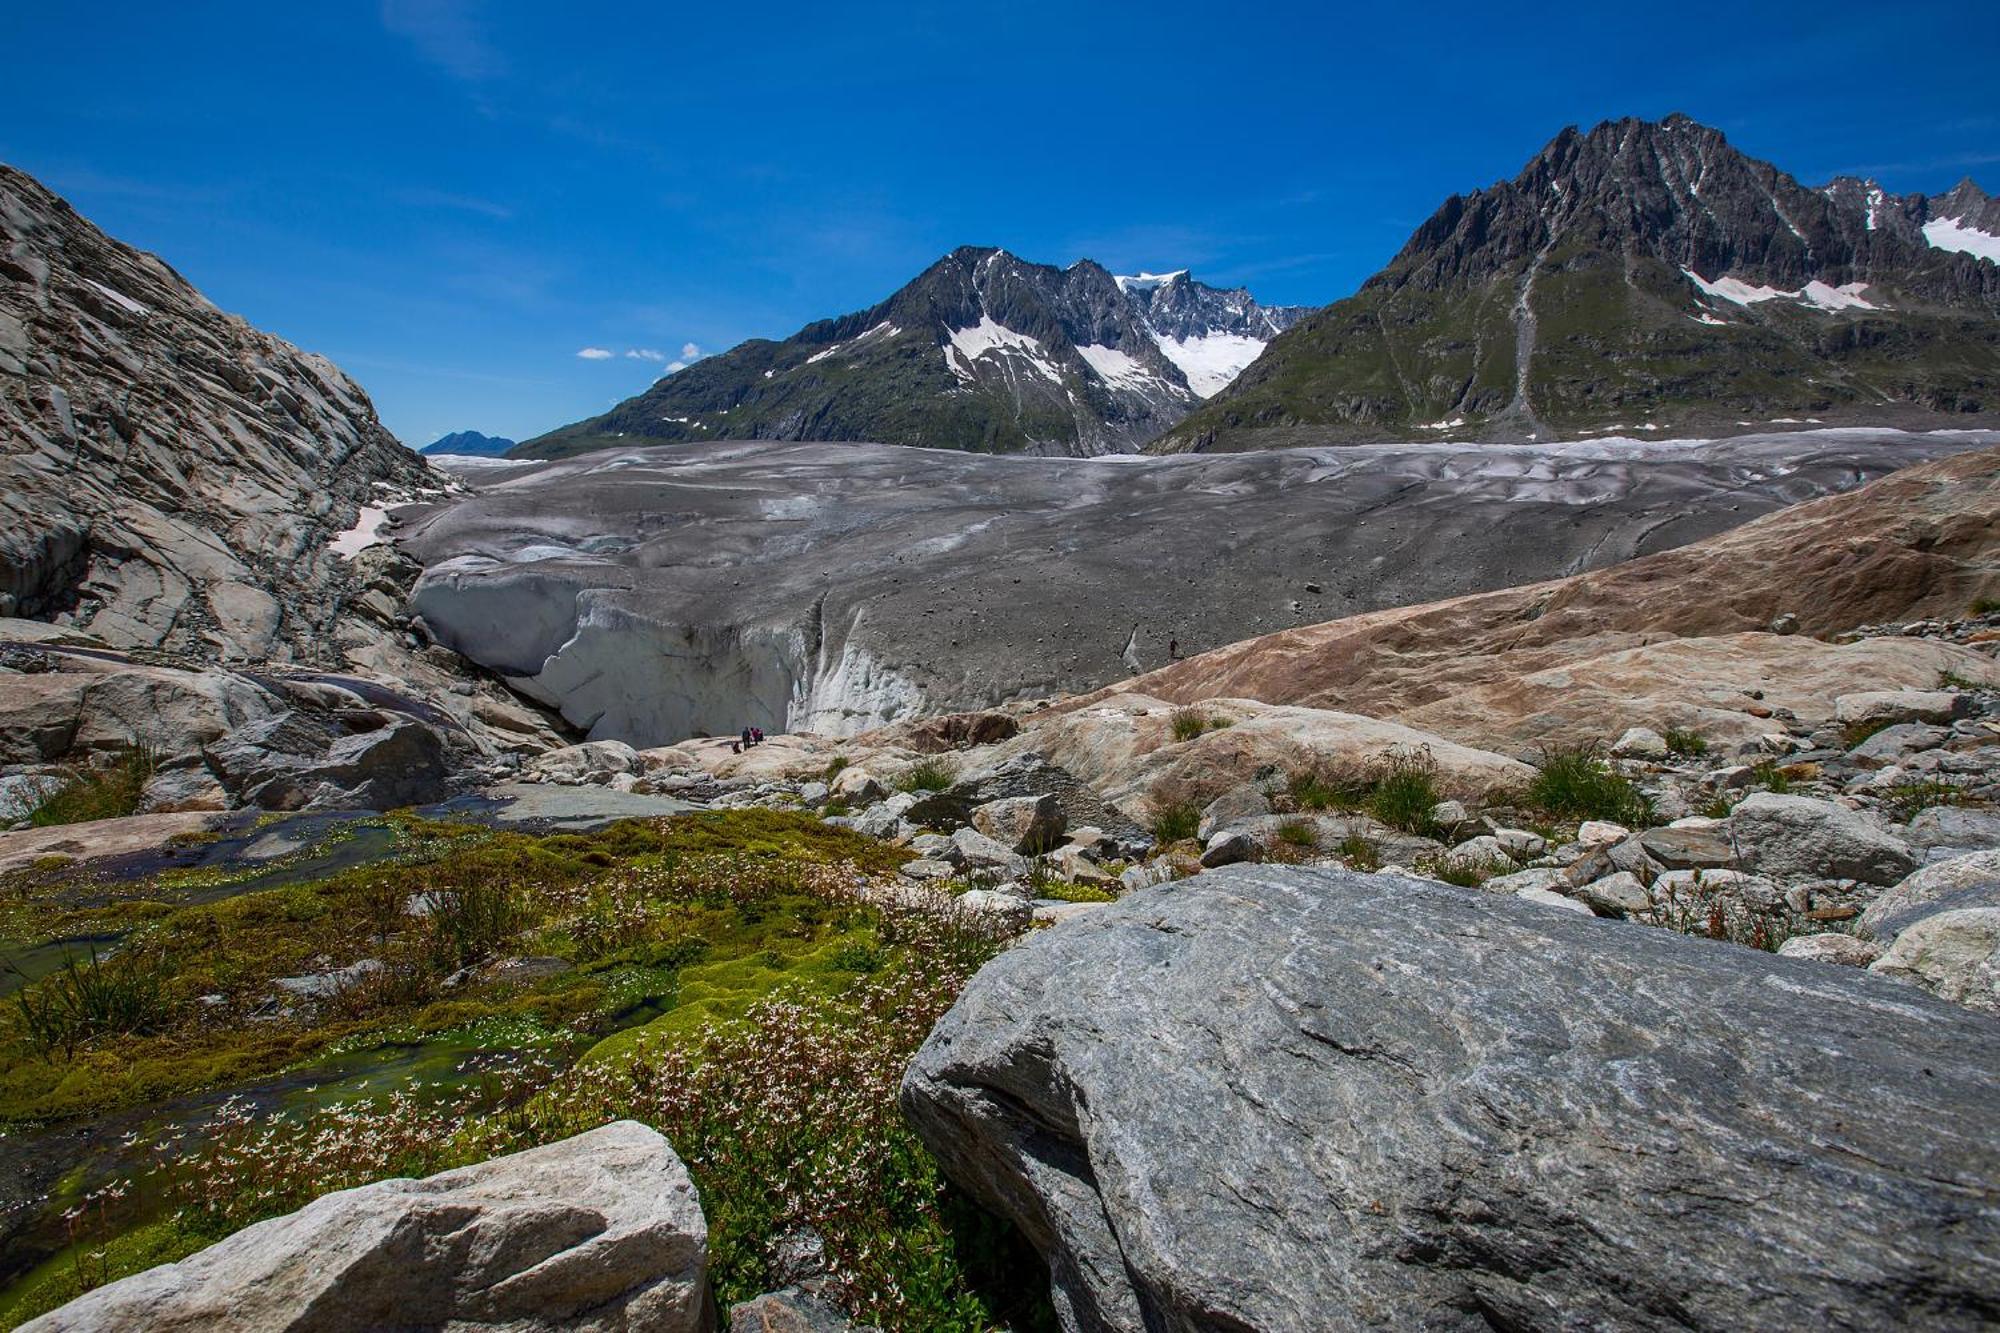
column 1173, row 650
column 757, row 735
column 747, row 742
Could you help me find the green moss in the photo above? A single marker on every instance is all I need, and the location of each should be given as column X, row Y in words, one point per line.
column 704, row 918
column 92, row 1262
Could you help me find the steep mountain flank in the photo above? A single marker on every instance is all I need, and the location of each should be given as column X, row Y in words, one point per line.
column 983, row 352
column 169, row 476
column 1642, row 276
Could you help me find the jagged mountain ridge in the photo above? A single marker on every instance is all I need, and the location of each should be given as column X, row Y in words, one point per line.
column 983, row 351
column 1641, row 275
column 170, row 477
column 468, row 443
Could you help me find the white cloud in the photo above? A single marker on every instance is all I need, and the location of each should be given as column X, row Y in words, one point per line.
column 596, row 353
column 689, row 352
column 447, row 33
column 645, row 354
column 672, row 366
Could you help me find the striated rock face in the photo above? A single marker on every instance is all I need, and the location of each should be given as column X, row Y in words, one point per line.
column 599, row 1232
column 1677, row 638
column 1287, row 1099
column 652, row 594
column 169, row 476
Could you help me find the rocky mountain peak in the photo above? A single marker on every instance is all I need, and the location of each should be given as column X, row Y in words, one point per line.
column 1634, row 271
column 982, row 350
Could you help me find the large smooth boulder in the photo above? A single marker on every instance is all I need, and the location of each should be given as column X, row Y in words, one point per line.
column 1948, row 830
column 100, row 837
column 83, row 707
column 1123, row 748
column 295, row 762
column 1277, row 1098
column 592, row 762
column 1799, row 837
column 599, row 1232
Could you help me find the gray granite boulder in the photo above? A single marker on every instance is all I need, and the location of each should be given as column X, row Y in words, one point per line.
column 1947, row 830
column 1277, row 1098
column 1962, row 881
column 601, row 1232
column 1798, row 837
column 1954, row 955
column 1028, row 824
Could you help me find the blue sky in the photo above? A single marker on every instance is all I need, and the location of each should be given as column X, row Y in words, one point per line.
column 452, row 200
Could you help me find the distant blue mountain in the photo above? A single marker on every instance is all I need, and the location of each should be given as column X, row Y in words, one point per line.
column 469, row 442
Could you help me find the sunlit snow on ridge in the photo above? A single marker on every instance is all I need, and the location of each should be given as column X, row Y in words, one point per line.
column 1953, row 234
column 1146, row 282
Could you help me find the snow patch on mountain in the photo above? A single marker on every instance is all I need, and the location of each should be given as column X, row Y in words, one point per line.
column 1146, row 282
column 988, row 335
column 1819, row 295
column 1117, row 369
column 880, row 330
column 124, row 301
column 990, row 338
column 1211, row 360
column 1953, row 234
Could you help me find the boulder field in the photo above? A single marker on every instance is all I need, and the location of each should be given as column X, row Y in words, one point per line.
column 651, row 594
column 1283, row 1099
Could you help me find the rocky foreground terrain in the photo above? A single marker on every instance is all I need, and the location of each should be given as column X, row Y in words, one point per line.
column 1636, row 971
column 1559, row 887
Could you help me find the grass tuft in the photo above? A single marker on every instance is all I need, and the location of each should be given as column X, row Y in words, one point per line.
column 1404, row 790
column 1688, row 744
column 1904, row 801
column 931, row 775
column 93, row 794
column 1359, row 852
column 1574, row 782
column 1175, row 820
column 1300, row 833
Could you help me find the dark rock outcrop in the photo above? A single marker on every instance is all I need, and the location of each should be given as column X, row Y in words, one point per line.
column 1287, row 1099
